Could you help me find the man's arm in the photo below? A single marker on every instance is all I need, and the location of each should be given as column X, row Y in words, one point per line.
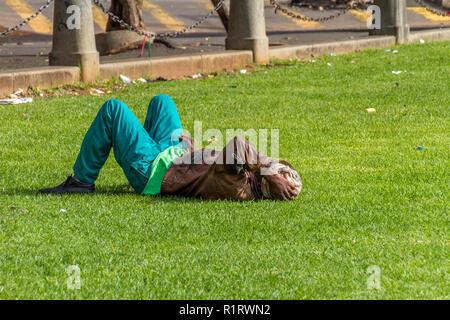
column 239, row 155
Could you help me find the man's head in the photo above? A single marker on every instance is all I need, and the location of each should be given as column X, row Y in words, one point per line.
column 281, row 182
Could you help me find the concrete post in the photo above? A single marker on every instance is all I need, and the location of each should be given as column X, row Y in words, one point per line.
column 247, row 29
column 444, row 3
column 393, row 19
column 74, row 39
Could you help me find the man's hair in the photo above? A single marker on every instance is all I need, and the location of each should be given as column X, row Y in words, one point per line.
column 288, row 171
column 286, row 164
column 293, row 174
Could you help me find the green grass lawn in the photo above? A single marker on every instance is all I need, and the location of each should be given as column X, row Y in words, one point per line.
column 370, row 197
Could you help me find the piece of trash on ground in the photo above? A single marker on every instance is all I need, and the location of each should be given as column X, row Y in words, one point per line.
column 63, row 210
column 329, row 64
column 395, row 51
column 16, row 101
column 196, row 76
column 142, row 80
column 422, row 41
column 125, row 79
column 397, row 72
column 371, row 110
column 420, row 148
column 243, row 71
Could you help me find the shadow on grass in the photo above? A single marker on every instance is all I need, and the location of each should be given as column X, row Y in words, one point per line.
column 113, row 190
column 118, row 190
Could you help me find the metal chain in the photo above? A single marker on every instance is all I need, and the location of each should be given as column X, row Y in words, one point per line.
column 296, row 15
column 432, row 10
column 24, row 22
column 152, row 34
column 332, row 6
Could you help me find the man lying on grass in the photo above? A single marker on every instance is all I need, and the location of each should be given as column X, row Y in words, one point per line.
column 158, row 159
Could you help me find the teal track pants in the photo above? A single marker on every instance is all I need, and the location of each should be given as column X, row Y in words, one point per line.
column 135, row 146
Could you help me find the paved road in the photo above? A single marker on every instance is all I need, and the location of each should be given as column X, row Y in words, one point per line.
column 169, row 15
column 31, row 46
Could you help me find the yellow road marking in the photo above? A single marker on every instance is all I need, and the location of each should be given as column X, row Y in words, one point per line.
column 163, row 17
column 100, row 18
column 206, row 4
column 360, row 15
column 428, row 15
column 40, row 24
column 300, row 23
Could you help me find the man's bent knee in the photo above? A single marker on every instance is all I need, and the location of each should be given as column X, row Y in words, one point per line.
column 161, row 97
column 113, row 105
column 160, row 100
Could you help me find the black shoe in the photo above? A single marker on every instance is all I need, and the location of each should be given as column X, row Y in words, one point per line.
column 71, row 185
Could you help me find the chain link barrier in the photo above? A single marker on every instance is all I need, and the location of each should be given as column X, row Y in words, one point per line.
column 120, row 21
column 156, row 35
column 274, row 3
column 433, row 10
column 24, row 22
column 332, row 6
column 298, row 16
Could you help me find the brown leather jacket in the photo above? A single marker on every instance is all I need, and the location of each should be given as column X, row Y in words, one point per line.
column 233, row 173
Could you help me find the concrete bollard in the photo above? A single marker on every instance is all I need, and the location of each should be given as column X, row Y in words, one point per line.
column 443, row 3
column 393, row 20
column 74, row 39
column 247, row 29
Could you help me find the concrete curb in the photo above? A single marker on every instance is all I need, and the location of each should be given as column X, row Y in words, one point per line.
column 338, row 47
column 177, row 66
column 433, row 35
column 46, row 77
column 188, row 65
column 160, row 67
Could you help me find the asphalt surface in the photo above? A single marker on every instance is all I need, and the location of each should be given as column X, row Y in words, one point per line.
column 30, row 47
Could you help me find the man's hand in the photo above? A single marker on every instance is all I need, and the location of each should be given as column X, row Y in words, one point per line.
column 281, row 187
column 189, row 142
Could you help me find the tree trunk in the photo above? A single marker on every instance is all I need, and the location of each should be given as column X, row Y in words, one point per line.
column 224, row 14
column 128, row 10
column 117, row 38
